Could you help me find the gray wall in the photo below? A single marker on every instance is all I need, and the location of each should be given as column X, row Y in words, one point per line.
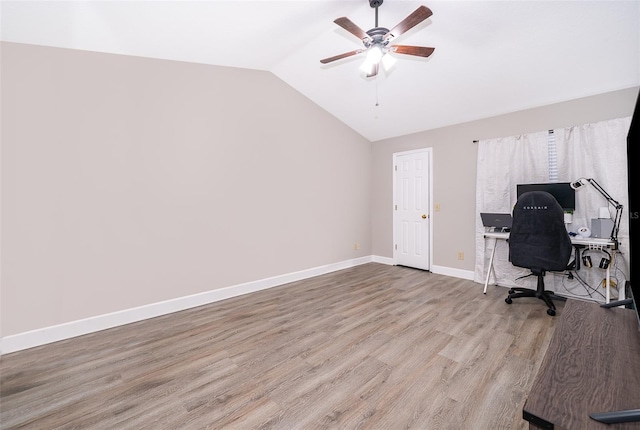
column 454, row 169
column 128, row 181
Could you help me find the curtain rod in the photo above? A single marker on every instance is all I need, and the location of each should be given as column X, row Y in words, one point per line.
column 550, row 131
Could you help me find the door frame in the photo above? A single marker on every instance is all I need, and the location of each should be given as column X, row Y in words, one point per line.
column 429, row 151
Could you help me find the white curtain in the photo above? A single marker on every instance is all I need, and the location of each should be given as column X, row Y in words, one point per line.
column 597, row 151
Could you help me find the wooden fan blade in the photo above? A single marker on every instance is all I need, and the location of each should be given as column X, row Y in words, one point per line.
column 420, row 51
column 415, row 18
column 348, row 25
column 374, row 71
column 341, row 56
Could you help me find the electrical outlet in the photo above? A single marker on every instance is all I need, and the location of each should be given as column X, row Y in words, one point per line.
column 356, row 247
column 460, row 255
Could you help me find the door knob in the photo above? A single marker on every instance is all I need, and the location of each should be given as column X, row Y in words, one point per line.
column 424, row 216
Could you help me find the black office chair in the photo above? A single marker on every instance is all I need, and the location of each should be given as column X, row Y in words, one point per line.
column 538, row 241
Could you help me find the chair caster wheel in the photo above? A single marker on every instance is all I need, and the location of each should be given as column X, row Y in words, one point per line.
column 508, row 300
column 551, row 312
column 511, row 291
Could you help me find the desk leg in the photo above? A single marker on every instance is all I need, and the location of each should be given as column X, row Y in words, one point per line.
column 493, row 252
column 622, row 294
column 607, row 285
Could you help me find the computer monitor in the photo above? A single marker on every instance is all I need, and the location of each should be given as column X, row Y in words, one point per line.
column 562, row 191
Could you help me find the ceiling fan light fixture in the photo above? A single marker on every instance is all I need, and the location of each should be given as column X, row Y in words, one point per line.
column 374, row 55
column 388, row 61
column 367, row 67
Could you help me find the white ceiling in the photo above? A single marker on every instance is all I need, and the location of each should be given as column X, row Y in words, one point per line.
column 491, row 57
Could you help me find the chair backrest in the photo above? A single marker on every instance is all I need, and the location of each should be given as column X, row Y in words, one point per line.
column 539, row 238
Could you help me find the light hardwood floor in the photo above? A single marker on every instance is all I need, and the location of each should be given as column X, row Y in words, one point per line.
column 371, row 347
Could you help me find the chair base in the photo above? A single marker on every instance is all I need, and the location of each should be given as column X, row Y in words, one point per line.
column 547, row 296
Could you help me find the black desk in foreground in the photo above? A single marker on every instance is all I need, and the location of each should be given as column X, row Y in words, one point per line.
column 592, row 365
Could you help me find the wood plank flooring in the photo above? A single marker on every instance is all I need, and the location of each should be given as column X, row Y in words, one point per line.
column 371, row 347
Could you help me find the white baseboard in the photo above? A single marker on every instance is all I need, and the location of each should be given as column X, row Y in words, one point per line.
column 440, row 270
column 456, row 273
column 383, row 260
column 72, row 329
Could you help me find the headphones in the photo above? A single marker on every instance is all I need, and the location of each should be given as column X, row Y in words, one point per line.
column 604, row 262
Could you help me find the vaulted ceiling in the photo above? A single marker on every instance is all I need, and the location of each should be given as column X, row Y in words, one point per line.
column 490, row 58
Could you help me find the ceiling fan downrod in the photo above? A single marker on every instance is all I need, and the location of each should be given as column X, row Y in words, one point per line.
column 375, row 4
column 376, row 16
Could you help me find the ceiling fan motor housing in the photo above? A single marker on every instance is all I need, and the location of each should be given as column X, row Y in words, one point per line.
column 377, row 37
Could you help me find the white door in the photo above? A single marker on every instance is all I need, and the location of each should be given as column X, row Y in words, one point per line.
column 411, row 210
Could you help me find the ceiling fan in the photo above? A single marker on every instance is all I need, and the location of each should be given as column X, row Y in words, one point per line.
column 376, row 41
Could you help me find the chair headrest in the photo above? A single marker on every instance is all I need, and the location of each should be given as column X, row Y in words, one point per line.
column 538, row 201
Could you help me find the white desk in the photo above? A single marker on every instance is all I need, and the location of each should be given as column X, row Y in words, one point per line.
column 591, row 242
